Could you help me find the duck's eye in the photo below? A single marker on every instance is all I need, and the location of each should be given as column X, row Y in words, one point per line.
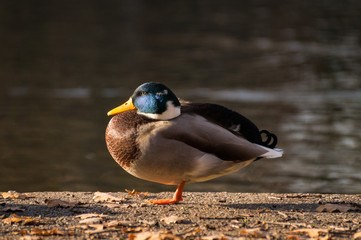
column 141, row 93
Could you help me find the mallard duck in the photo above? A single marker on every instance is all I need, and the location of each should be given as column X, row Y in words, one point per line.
column 155, row 137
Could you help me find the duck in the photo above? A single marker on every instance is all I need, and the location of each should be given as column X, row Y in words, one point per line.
column 159, row 138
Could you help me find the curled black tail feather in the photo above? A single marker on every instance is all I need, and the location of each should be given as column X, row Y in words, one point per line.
column 271, row 139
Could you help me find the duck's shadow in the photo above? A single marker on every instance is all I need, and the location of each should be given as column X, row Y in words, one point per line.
column 34, row 210
column 287, row 207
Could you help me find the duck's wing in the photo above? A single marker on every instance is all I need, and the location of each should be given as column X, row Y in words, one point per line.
column 196, row 131
column 233, row 121
column 226, row 118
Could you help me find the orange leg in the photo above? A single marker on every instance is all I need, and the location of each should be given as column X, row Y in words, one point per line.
column 177, row 197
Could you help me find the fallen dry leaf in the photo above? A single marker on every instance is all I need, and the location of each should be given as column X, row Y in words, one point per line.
column 123, row 223
column 133, row 230
column 15, row 195
column 44, row 232
column 357, row 235
column 106, row 197
column 19, row 219
column 171, row 219
column 154, row 236
column 253, row 232
column 220, row 236
column 22, row 232
column 145, row 236
column 30, row 238
column 338, row 229
column 292, row 237
column 79, row 226
column 125, row 226
column 189, row 233
column 282, row 214
column 97, row 228
column 93, row 220
column 329, row 207
column 59, row 203
column 133, row 192
column 90, row 215
column 311, row 232
column 139, row 194
column 112, row 205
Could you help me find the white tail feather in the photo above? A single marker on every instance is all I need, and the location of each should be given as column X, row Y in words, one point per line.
column 272, row 153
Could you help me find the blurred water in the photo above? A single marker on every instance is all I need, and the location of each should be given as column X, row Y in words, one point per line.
column 291, row 67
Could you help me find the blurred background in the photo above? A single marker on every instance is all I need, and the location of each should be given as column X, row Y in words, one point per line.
column 292, row 67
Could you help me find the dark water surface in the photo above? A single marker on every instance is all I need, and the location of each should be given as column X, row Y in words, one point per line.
column 292, row 67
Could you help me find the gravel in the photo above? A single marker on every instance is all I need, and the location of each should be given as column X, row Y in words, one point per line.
column 202, row 215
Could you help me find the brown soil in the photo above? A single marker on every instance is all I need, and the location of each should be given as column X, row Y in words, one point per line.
column 201, row 215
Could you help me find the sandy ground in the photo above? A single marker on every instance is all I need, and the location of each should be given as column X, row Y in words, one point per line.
column 129, row 215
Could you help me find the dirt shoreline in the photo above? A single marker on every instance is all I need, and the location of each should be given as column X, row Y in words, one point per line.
column 202, row 215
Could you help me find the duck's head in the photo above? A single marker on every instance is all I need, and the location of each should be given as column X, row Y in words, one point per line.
column 153, row 100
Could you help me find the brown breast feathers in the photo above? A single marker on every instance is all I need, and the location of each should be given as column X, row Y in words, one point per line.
column 121, row 137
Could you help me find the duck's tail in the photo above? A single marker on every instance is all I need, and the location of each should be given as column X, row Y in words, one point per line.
column 270, row 143
column 271, row 153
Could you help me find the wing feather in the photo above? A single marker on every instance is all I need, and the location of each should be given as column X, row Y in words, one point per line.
column 208, row 137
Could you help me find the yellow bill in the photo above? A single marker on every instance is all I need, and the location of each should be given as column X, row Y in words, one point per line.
column 127, row 106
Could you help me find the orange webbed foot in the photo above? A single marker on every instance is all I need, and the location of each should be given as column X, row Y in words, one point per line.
column 166, row 201
column 176, row 198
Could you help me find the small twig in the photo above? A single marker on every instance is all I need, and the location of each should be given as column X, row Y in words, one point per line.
column 282, row 214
